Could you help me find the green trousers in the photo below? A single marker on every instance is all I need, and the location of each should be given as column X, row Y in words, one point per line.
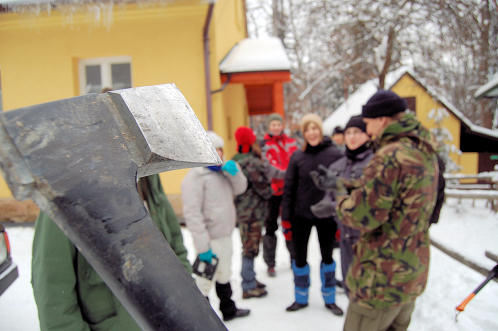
column 359, row 318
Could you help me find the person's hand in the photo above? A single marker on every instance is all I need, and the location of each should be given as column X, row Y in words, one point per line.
column 324, row 178
column 325, row 207
column 287, row 230
column 230, row 167
column 340, row 189
column 207, row 256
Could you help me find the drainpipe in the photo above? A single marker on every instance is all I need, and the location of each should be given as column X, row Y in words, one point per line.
column 225, row 84
column 207, row 71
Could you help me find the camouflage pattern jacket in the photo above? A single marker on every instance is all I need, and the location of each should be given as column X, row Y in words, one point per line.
column 391, row 205
column 253, row 203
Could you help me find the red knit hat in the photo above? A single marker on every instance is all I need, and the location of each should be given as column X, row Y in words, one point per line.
column 245, row 138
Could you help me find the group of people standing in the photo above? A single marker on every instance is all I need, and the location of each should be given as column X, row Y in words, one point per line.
column 272, row 179
column 379, row 190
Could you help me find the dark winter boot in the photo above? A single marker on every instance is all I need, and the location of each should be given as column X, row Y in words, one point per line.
column 335, row 309
column 227, row 306
column 254, row 293
column 327, row 275
column 238, row 313
column 269, row 247
column 301, row 287
column 296, row 306
column 259, row 284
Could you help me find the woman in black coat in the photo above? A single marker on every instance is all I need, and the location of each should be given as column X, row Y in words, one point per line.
column 300, row 193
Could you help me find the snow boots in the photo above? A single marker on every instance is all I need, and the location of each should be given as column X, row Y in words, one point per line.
column 327, row 275
column 227, row 306
column 302, row 284
column 301, row 287
column 254, row 293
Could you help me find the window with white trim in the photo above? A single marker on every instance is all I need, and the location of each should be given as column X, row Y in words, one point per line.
column 98, row 73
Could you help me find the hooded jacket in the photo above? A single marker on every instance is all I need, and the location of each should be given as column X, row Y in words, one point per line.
column 391, row 207
column 68, row 292
column 208, row 206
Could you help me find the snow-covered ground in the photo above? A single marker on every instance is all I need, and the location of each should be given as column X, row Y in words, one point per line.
column 468, row 229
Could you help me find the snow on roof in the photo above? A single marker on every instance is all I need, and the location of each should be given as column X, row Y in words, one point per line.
column 352, row 106
column 490, row 89
column 251, row 54
column 473, row 127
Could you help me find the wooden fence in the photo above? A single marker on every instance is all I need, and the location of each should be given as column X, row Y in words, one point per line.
column 481, row 186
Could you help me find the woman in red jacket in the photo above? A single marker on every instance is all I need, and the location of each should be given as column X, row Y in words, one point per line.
column 277, row 149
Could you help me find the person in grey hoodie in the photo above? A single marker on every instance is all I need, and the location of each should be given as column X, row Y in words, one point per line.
column 209, row 211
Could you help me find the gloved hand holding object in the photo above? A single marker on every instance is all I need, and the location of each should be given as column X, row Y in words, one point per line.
column 328, row 181
column 205, row 264
column 207, row 256
column 230, row 167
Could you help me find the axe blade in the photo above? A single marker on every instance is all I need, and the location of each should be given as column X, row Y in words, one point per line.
column 173, row 138
column 79, row 159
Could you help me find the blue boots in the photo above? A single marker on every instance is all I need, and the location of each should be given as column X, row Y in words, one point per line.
column 301, row 287
column 302, row 284
column 327, row 275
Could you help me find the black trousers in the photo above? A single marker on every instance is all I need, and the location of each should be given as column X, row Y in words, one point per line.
column 271, row 222
column 301, row 229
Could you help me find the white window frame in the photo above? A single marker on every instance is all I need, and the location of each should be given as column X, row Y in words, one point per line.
column 105, row 69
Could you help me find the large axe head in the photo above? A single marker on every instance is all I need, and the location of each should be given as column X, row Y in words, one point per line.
column 79, row 159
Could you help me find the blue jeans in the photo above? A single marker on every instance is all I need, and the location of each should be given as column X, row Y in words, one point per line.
column 248, row 274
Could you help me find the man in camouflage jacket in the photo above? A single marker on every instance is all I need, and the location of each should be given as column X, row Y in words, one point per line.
column 390, row 205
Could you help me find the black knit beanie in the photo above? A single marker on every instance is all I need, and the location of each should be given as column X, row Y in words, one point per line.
column 356, row 122
column 338, row 130
column 383, row 103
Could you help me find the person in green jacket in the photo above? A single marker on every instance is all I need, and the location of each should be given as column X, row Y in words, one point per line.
column 68, row 292
column 391, row 206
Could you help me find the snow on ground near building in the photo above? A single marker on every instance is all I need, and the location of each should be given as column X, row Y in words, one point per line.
column 468, row 229
column 465, row 230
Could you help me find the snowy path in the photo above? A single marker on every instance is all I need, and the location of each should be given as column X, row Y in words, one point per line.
column 467, row 228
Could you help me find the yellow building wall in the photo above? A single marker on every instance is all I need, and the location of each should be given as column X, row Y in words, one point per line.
column 40, row 66
column 229, row 106
column 40, row 55
column 408, row 87
column 231, row 28
column 469, row 163
column 237, row 114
